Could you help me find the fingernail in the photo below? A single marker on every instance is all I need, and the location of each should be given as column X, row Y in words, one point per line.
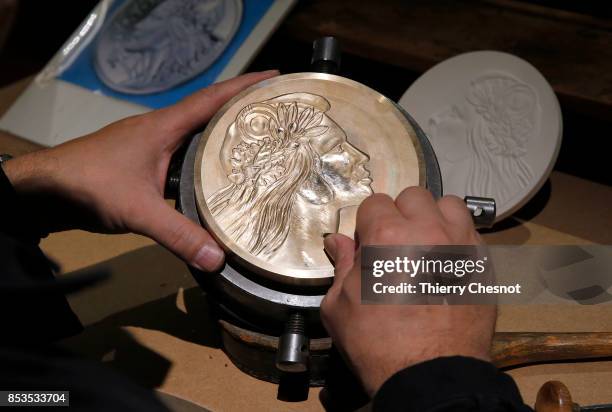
column 209, row 257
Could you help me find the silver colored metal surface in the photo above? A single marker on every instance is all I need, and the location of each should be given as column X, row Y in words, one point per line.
column 482, row 209
column 293, row 346
column 153, row 45
column 234, row 284
column 286, row 155
column 266, row 307
column 289, row 160
column 261, row 300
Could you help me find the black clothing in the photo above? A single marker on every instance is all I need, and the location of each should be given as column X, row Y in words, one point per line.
column 29, row 315
column 450, row 384
column 33, row 316
column 92, row 386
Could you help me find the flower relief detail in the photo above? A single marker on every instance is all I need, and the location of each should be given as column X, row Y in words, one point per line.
column 285, row 153
column 507, row 117
column 262, row 162
column 482, row 141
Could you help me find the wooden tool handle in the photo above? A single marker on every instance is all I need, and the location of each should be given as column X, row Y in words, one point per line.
column 518, row 348
column 554, row 396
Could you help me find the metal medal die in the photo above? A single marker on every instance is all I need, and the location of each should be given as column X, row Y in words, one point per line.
column 289, row 160
column 269, row 321
column 326, row 142
column 150, row 46
column 254, row 312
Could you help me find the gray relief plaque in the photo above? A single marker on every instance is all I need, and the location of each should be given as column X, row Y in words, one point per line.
column 150, row 46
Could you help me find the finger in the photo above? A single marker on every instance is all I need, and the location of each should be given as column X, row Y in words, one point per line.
column 457, row 215
column 193, row 111
column 341, row 250
column 374, row 218
column 186, row 239
column 418, row 203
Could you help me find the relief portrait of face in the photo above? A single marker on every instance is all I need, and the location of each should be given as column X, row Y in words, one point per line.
column 291, row 169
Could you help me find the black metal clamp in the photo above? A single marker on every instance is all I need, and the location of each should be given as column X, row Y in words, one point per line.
column 482, row 209
column 293, row 346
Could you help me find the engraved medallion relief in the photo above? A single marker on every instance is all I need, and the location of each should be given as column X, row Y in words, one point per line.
column 499, row 117
column 290, row 168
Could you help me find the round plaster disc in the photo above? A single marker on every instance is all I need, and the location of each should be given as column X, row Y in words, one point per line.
column 290, row 159
column 154, row 45
column 494, row 123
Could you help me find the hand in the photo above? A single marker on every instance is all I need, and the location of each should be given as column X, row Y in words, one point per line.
column 113, row 180
column 380, row 340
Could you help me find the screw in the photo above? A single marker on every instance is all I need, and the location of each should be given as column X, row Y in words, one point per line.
column 293, row 346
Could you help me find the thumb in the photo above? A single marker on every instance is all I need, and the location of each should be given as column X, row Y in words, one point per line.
column 341, row 250
column 194, row 110
column 183, row 237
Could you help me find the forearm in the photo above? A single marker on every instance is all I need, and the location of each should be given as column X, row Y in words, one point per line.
column 450, row 384
column 31, row 173
column 43, row 194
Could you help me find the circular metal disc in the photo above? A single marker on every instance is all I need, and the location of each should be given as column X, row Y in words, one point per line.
column 153, row 45
column 290, row 159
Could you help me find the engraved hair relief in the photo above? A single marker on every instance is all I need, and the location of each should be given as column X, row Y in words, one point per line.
column 290, row 169
column 499, row 119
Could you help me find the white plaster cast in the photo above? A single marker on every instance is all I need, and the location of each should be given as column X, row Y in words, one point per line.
column 494, row 123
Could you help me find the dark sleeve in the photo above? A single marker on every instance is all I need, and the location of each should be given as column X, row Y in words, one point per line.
column 93, row 386
column 18, row 219
column 450, row 384
column 32, row 311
